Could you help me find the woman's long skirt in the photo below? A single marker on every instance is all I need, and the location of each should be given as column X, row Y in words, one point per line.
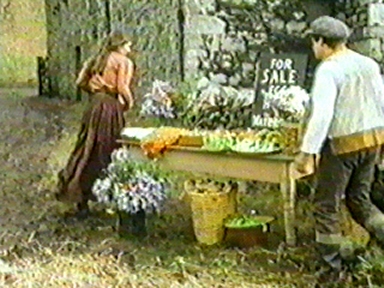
column 101, row 125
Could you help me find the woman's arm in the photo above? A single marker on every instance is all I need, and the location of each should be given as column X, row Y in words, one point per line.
column 124, row 79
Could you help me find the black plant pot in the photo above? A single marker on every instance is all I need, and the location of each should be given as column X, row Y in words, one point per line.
column 132, row 223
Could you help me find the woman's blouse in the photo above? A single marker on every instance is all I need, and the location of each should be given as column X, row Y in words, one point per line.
column 115, row 77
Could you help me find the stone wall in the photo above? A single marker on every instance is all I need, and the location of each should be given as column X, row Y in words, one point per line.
column 23, row 38
column 77, row 27
column 156, row 28
column 219, row 39
column 223, row 39
column 367, row 19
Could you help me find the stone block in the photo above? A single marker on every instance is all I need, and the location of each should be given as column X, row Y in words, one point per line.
column 277, row 24
column 348, row 4
column 369, row 32
column 295, row 27
column 196, row 53
column 232, row 44
column 299, row 15
column 234, row 80
column 376, row 14
column 206, row 65
column 370, row 47
column 193, row 41
column 354, row 19
column 341, row 16
column 214, row 42
column 363, row 18
column 195, row 7
column 218, row 78
column 365, row 2
column 248, row 67
column 203, row 24
column 191, row 63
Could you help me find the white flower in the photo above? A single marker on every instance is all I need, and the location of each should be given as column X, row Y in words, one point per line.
column 158, row 102
column 128, row 188
column 120, row 155
column 292, row 100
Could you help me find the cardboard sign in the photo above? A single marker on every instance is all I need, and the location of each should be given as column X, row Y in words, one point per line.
column 277, row 71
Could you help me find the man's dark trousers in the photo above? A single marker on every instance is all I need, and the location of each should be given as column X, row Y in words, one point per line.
column 352, row 175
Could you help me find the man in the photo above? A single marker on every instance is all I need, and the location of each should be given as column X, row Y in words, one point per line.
column 346, row 128
column 377, row 193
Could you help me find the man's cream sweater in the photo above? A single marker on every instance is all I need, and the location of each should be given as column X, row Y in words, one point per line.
column 348, row 105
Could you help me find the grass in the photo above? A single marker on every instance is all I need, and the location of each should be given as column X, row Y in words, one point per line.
column 107, row 261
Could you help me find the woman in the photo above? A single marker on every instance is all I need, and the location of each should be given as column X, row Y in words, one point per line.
column 107, row 76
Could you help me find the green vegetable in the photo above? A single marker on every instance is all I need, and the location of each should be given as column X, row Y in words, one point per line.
column 247, row 222
column 217, row 143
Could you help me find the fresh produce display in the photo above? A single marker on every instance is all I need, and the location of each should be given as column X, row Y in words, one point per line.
column 218, row 142
column 263, row 141
column 246, row 222
column 249, row 146
column 212, row 108
column 127, row 186
column 158, row 141
column 155, row 141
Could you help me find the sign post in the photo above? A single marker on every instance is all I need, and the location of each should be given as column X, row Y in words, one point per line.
column 276, row 72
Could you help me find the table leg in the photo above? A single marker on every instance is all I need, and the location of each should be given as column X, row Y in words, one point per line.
column 288, row 190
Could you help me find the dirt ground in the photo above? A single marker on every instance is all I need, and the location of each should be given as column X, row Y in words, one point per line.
column 38, row 249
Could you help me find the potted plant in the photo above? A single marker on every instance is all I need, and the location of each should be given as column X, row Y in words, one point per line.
column 129, row 188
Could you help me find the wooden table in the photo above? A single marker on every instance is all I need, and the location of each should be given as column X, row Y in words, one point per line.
column 246, row 166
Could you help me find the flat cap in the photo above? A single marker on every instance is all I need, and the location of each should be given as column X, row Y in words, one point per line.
column 329, row 27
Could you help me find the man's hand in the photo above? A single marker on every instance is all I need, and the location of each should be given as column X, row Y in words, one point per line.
column 303, row 162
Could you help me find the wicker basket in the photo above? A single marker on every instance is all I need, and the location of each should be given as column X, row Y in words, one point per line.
column 208, row 213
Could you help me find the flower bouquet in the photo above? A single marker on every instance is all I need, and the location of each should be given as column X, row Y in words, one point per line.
column 158, row 103
column 128, row 187
column 213, row 106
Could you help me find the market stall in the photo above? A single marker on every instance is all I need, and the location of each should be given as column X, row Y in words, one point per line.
column 267, row 167
column 214, row 133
